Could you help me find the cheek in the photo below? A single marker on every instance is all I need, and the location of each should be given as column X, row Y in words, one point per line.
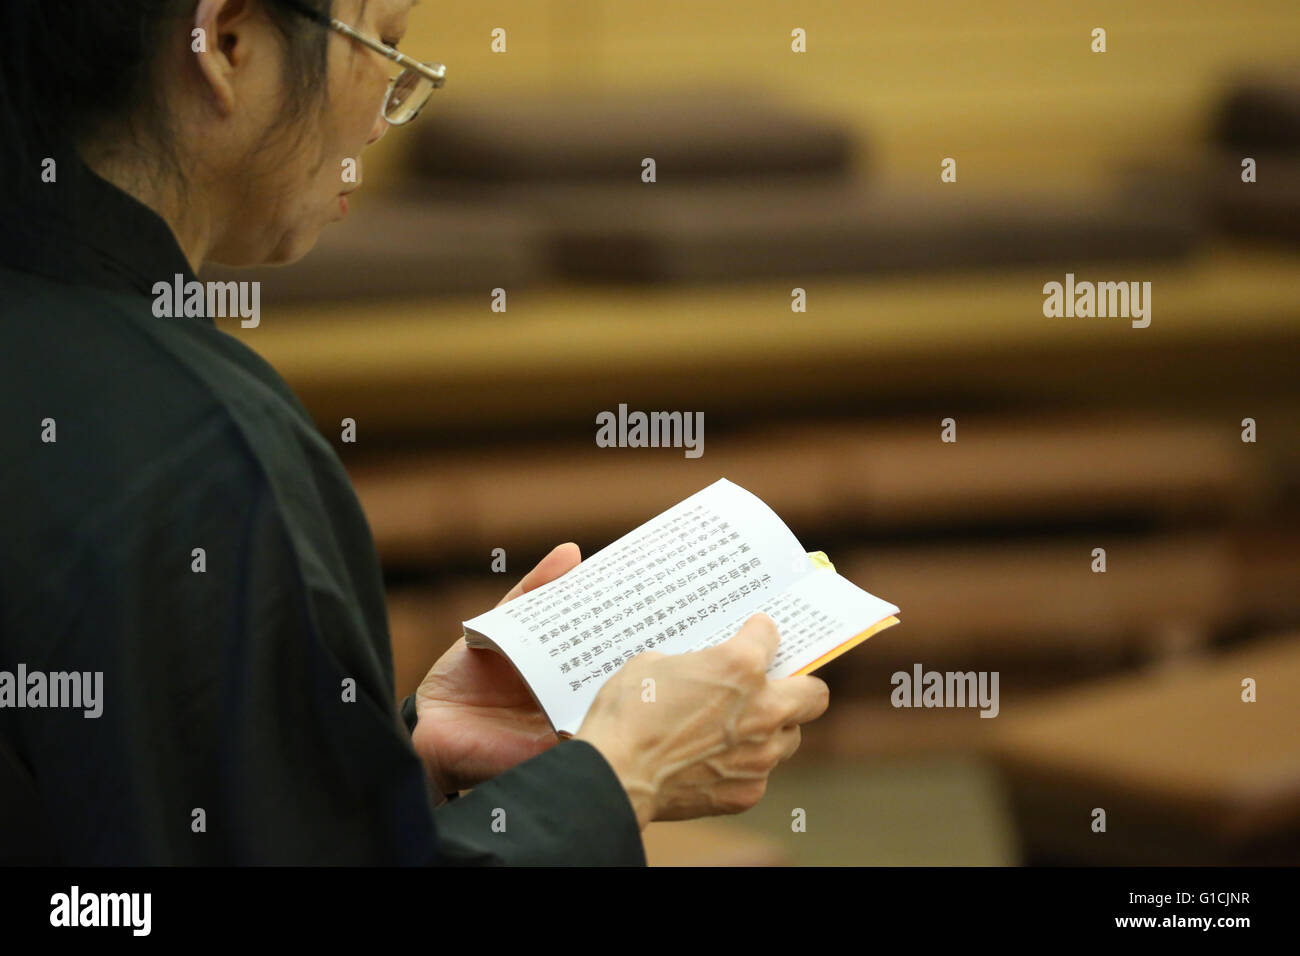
column 291, row 203
column 349, row 129
column 358, row 98
column 365, row 119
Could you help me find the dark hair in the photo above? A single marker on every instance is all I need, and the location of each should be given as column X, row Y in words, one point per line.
column 65, row 73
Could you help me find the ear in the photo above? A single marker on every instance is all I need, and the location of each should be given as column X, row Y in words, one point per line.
column 218, row 42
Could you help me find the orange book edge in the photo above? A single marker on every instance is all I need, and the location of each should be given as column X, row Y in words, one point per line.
column 848, row 645
column 820, row 559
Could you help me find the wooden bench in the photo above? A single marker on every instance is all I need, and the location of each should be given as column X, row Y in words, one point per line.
column 1186, row 771
column 429, row 508
column 448, row 364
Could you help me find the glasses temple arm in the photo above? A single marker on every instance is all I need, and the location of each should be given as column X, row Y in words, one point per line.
column 435, row 73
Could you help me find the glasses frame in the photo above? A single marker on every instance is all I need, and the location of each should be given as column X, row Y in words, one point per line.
column 434, row 73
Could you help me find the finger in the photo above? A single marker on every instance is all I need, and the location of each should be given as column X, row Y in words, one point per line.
column 758, row 636
column 757, row 757
column 562, row 559
column 802, row 698
column 791, row 737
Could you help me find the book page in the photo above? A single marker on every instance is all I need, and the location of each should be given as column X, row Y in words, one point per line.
column 659, row 587
column 815, row 615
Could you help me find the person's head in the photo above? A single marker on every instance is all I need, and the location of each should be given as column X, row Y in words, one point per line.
column 239, row 116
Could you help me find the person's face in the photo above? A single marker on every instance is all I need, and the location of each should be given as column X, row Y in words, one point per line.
column 293, row 182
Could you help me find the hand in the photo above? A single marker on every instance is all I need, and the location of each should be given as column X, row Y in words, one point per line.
column 705, row 741
column 476, row 716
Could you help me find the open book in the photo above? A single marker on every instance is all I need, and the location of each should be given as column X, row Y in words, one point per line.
column 683, row 581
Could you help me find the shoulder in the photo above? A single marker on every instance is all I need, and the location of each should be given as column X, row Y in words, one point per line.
column 118, row 421
column 68, row 346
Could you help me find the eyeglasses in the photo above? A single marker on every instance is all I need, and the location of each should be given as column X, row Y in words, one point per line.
column 409, row 90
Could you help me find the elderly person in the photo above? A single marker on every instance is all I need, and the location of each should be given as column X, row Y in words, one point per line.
column 178, row 525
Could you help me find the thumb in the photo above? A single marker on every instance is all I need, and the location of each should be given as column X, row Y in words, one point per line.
column 758, row 629
column 562, row 559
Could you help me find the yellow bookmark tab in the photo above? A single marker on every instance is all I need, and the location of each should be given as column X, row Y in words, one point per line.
column 819, row 558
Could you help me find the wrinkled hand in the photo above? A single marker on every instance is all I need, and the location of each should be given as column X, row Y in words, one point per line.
column 476, row 716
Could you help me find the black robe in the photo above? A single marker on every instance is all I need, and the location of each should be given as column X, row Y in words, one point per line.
column 223, row 689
